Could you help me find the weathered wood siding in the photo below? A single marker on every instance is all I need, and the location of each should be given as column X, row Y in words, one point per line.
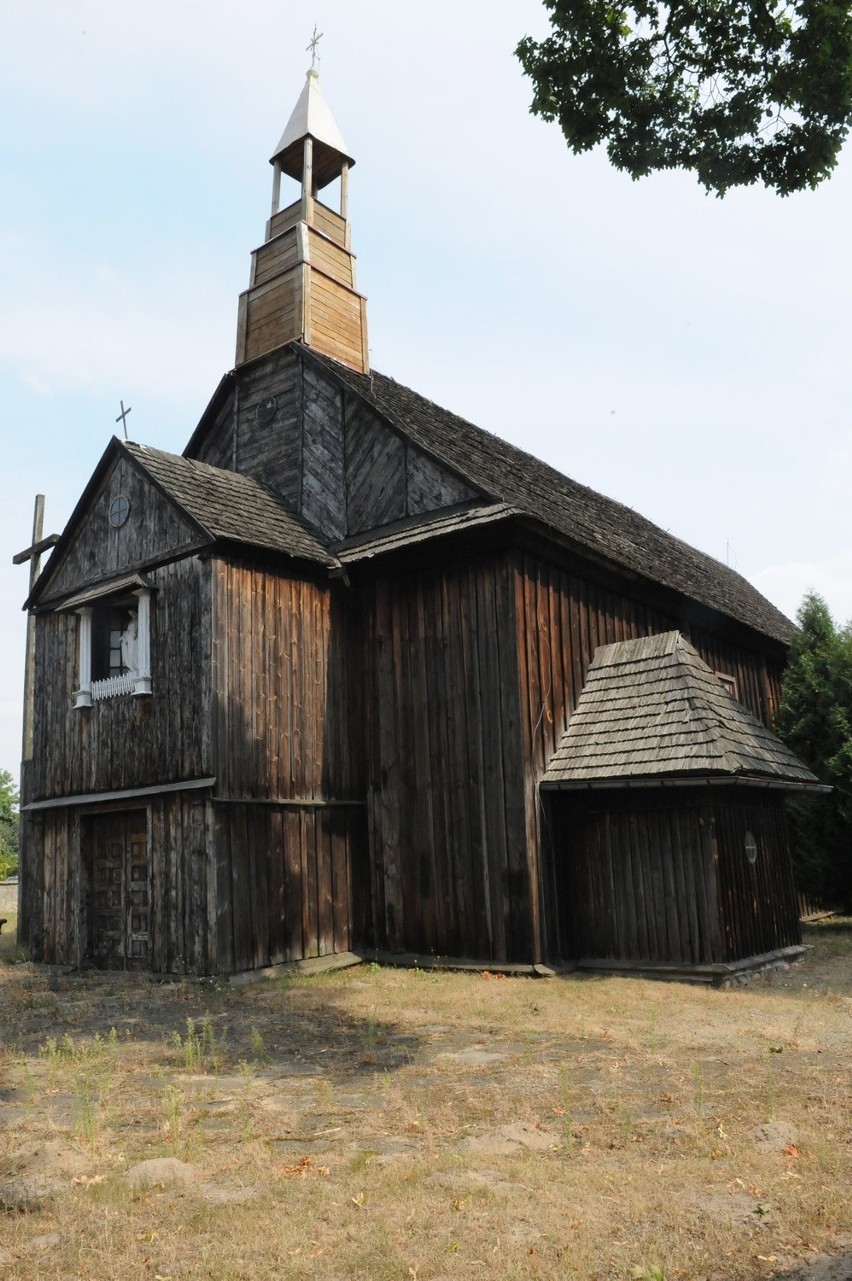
column 450, row 873
column 51, row 890
column 325, row 450
column 183, row 909
column 128, row 742
column 375, row 470
column 154, row 531
column 282, row 691
column 637, row 878
column 271, row 314
column 219, row 436
column 291, row 882
column 662, row 876
column 758, row 902
column 562, row 618
column 271, row 452
column 290, row 836
column 323, row 497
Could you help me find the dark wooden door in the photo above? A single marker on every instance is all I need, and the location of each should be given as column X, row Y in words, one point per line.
column 120, row 917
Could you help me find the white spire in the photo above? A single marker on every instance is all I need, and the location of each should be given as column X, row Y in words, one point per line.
column 312, row 118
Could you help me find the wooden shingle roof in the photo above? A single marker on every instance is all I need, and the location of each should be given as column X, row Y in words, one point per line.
column 606, row 527
column 652, row 710
column 230, row 506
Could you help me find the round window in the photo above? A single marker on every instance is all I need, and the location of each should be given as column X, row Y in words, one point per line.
column 750, row 847
column 119, row 510
column 266, row 410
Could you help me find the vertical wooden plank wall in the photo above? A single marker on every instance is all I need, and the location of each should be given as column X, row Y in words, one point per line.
column 53, row 888
column 290, row 808
column 128, row 742
column 182, row 915
column 562, row 618
column 447, row 812
column 758, row 900
column 638, row 878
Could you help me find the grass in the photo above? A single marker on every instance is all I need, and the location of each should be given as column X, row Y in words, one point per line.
column 365, row 1124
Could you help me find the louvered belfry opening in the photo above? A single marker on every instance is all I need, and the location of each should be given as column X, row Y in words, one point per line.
column 302, row 284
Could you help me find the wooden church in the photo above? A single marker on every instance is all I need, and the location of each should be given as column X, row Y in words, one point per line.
column 354, row 675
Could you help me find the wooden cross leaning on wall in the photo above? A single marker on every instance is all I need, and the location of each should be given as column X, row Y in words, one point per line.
column 33, row 554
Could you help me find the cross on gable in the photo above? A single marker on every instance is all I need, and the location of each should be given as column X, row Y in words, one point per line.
column 122, row 417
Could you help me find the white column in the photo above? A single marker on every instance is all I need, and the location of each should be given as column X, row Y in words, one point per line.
column 143, row 637
column 83, row 696
column 307, row 178
column 276, row 188
column 344, row 192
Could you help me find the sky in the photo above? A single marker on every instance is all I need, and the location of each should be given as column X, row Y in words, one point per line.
column 686, row 355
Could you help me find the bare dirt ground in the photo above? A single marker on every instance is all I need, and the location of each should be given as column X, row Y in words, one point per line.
column 383, row 1124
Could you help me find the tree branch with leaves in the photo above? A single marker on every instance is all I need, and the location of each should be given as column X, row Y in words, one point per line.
column 737, row 91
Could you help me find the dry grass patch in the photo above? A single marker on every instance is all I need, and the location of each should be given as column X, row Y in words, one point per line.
column 397, row 1124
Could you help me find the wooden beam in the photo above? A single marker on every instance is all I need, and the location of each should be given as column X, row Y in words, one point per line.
column 127, row 794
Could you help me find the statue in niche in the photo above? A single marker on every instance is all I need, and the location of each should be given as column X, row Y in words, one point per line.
column 130, row 645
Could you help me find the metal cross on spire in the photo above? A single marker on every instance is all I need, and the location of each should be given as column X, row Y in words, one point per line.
column 311, row 47
column 122, row 417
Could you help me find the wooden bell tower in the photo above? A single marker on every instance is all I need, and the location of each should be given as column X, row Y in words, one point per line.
column 303, row 277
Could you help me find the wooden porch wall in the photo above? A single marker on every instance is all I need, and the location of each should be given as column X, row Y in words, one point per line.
column 663, row 877
column 291, row 865
column 450, row 875
column 128, row 742
column 636, row 879
column 562, row 618
column 758, row 900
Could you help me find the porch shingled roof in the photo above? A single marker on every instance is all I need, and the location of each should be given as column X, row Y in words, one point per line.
column 230, row 506
column 651, row 710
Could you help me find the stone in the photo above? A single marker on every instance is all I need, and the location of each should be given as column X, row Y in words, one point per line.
column 48, row 1241
column 773, row 1136
column 159, row 1171
column 508, row 1140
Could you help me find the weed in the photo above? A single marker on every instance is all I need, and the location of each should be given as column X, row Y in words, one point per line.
column 653, row 1037
column 198, row 1049
column 173, row 1101
column 528, row 1046
column 697, row 1088
column 84, row 1112
column 247, row 1121
column 769, row 1093
column 257, row 1047
column 370, row 1033
column 565, row 1107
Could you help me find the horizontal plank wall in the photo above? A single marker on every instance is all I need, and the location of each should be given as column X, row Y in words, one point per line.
column 290, row 805
column 128, row 742
column 562, row 618
column 447, row 809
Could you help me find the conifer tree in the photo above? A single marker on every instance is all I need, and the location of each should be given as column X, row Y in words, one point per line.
column 815, row 720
